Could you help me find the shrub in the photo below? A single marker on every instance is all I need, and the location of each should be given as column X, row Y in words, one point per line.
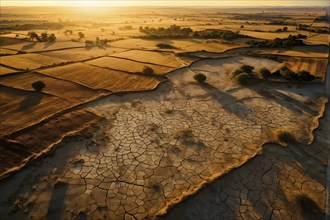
column 200, row 77
column 305, row 76
column 165, row 46
column 81, row 35
column 265, row 73
column 38, row 85
column 51, row 38
column 236, row 72
column 148, row 70
column 89, row 43
column 286, row 137
column 247, row 68
column 287, row 73
column 244, row 79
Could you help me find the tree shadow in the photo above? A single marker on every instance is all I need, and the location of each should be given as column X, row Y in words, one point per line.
column 28, row 46
column 228, row 102
column 271, row 93
column 48, row 44
column 32, row 99
column 56, row 204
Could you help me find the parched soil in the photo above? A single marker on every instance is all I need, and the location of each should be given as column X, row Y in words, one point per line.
column 29, row 61
column 6, row 70
column 128, row 65
column 317, row 67
column 20, row 108
column 17, row 148
column 67, row 90
column 78, row 54
column 160, row 58
column 102, row 78
column 212, row 47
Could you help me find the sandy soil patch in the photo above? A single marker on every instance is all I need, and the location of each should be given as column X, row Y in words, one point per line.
column 128, row 65
column 102, row 78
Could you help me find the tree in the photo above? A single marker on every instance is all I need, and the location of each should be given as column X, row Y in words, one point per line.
column 89, row 43
column 97, row 41
column 38, row 85
column 247, row 68
column 81, row 35
column 148, row 70
column 44, row 37
column 33, row 35
column 305, row 75
column 200, row 77
column 242, row 26
column 52, row 38
column 285, row 29
column 265, row 73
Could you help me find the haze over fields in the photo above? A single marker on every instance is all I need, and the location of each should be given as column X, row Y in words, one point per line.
column 164, row 109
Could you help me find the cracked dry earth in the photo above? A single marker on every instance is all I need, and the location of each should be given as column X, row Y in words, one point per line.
column 152, row 149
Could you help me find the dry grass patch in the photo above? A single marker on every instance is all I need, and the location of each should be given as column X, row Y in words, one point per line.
column 29, row 61
column 128, row 65
column 101, row 78
column 61, row 88
column 316, row 67
column 19, row 108
column 34, row 140
column 6, row 70
column 7, row 52
column 28, row 46
column 160, row 58
column 79, row 54
column 212, row 46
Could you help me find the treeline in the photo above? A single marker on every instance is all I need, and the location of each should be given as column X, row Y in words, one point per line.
column 25, row 27
column 260, row 16
column 175, row 31
column 304, row 27
column 44, row 37
column 291, row 40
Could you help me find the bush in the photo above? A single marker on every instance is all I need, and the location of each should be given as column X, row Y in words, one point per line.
column 265, row 73
column 38, row 85
column 287, row 73
column 236, row 72
column 247, row 68
column 165, row 46
column 200, row 77
column 286, row 137
column 244, row 79
column 89, row 43
column 305, row 76
column 148, row 70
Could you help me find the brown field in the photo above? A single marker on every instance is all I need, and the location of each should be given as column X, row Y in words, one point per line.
column 29, row 46
column 301, row 51
column 128, row 65
column 32, row 142
column 29, row 61
column 80, row 54
column 160, row 58
column 6, row 70
column 20, row 109
column 316, row 67
column 7, row 52
column 102, row 78
column 67, row 90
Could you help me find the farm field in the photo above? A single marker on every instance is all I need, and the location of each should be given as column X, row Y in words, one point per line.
column 166, row 112
column 128, row 65
column 6, row 70
column 28, row 61
column 102, row 78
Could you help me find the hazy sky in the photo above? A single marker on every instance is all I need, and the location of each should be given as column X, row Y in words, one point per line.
column 164, row 3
